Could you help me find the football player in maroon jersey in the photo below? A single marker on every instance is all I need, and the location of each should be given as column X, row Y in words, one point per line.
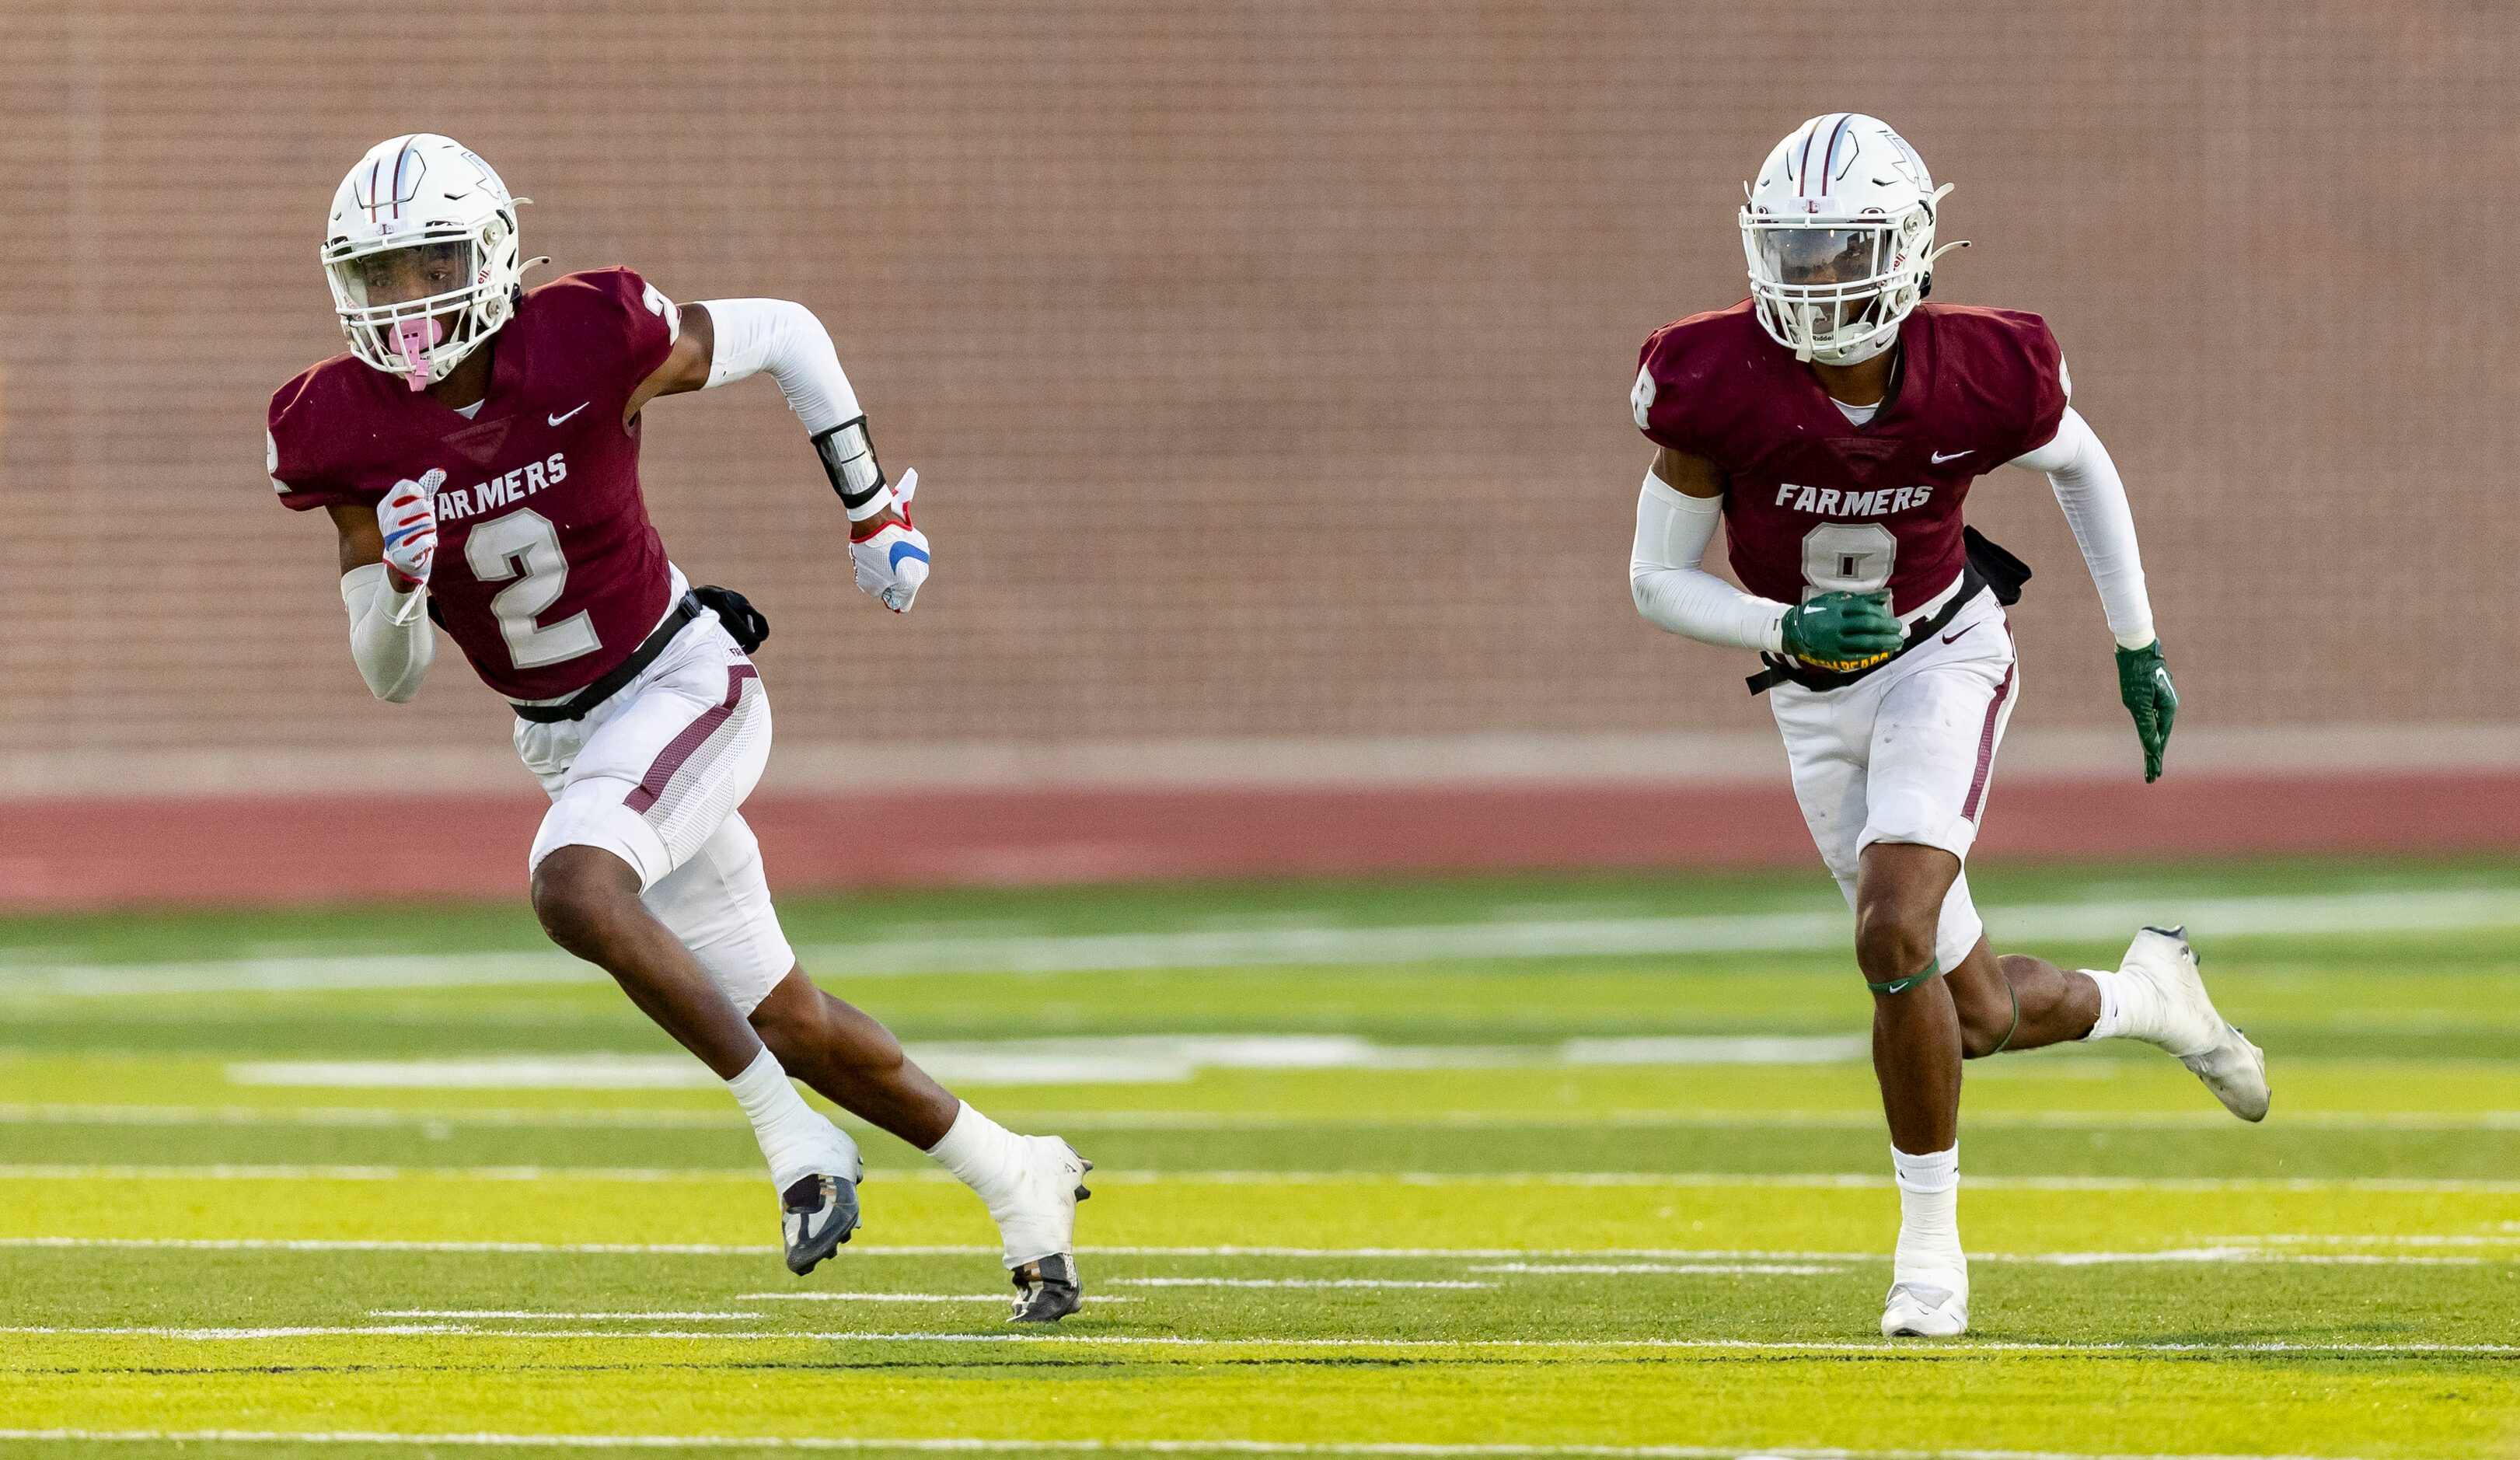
column 1833, row 423
column 503, row 425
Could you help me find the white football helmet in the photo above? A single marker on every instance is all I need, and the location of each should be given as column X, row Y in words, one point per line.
column 422, row 255
column 1839, row 230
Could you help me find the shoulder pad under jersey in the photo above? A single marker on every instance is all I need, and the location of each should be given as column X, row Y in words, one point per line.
column 308, row 420
column 1695, row 379
column 2005, row 364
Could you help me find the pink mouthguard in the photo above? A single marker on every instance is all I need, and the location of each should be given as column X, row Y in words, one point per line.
column 413, row 341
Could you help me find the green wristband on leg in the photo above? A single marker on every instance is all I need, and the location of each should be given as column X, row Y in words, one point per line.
column 1902, row 985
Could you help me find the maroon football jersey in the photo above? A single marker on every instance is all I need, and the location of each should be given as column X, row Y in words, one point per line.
column 548, row 570
column 1814, row 503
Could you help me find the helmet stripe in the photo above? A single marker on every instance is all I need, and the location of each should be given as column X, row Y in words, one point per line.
column 398, row 161
column 374, row 169
column 1829, row 160
column 1802, row 169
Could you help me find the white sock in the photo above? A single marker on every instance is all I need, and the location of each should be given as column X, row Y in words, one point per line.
column 796, row 1141
column 1929, row 1214
column 987, row 1157
column 2112, row 1020
column 2131, row 1008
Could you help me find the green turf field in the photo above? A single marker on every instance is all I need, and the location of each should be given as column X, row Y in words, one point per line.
column 1507, row 1165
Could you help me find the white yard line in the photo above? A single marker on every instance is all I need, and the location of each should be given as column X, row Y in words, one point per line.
column 1840, row 1180
column 1691, row 1260
column 2233, row 1255
column 1766, row 1119
column 1826, row 1180
column 2289, row 916
column 1129, row 1059
column 1781, row 932
column 1399, row 1449
column 1777, row 1269
column 53, row 1171
column 2388, row 1239
column 1954, row 1349
column 388, row 1245
column 527, row 1313
column 1225, row 1282
column 298, row 975
column 358, row 1116
column 999, row 1300
column 361, row 1117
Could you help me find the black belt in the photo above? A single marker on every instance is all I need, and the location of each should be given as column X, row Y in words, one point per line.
column 1988, row 567
column 1782, row 670
column 579, row 705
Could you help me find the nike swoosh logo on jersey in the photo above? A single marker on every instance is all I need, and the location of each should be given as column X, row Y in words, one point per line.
column 1939, row 457
column 582, row 405
column 1947, row 638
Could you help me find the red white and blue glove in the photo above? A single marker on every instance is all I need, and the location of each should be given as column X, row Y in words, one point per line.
column 408, row 518
column 893, row 561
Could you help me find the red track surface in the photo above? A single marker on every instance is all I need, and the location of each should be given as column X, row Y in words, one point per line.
column 268, row 850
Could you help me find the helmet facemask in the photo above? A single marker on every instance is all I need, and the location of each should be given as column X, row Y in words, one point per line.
column 1834, row 289
column 417, row 304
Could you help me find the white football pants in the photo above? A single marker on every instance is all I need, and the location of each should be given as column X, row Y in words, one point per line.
column 654, row 775
column 1906, row 754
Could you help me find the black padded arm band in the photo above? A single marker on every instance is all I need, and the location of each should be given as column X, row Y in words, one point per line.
column 847, row 453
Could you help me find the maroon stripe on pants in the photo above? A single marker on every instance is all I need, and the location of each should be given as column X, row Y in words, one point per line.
column 1986, row 743
column 679, row 750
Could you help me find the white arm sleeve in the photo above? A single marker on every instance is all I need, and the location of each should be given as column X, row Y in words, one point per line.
column 788, row 342
column 389, row 635
column 2095, row 500
column 1673, row 589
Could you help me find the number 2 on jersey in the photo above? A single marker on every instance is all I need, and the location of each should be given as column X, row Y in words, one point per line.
column 1847, row 557
column 526, row 542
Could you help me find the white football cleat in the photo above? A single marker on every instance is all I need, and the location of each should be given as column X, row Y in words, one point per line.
column 2182, row 1021
column 1926, row 1308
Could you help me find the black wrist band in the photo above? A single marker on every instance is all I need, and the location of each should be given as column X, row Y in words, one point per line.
column 847, row 454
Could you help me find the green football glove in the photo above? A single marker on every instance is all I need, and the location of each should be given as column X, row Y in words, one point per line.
column 2144, row 683
column 1843, row 631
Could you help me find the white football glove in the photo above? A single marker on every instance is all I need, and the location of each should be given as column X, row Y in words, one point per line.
column 893, row 562
column 408, row 518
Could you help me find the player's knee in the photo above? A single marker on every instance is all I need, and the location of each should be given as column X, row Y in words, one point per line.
column 580, row 893
column 1892, row 941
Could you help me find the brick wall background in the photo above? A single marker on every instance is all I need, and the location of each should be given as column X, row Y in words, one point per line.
column 1266, row 361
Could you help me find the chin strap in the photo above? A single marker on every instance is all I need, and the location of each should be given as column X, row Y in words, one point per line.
column 1857, row 356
